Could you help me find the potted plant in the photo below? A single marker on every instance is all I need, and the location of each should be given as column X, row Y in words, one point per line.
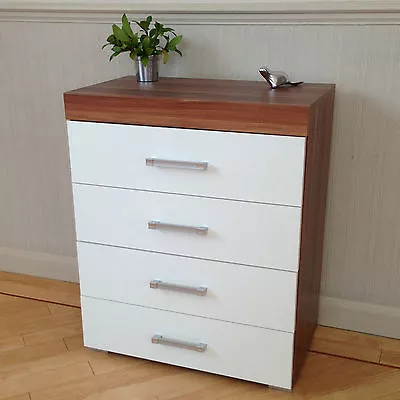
column 145, row 46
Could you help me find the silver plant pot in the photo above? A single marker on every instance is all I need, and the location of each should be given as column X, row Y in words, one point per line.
column 148, row 73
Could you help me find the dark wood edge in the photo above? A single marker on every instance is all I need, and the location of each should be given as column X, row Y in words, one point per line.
column 232, row 117
column 316, row 178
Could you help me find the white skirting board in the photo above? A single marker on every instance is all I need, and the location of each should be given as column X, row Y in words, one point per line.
column 360, row 317
column 333, row 312
column 43, row 265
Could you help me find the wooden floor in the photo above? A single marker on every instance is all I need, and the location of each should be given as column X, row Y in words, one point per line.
column 42, row 358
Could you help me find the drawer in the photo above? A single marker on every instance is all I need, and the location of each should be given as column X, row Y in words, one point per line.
column 252, row 167
column 239, row 351
column 223, row 230
column 230, row 292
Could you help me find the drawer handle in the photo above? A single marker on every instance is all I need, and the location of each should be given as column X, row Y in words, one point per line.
column 197, row 290
column 162, row 163
column 159, row 339
column 200, row 230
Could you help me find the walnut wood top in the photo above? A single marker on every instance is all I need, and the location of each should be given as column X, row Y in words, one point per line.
column 227, row 105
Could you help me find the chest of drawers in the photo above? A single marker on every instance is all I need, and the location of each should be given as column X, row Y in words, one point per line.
column 199, row 208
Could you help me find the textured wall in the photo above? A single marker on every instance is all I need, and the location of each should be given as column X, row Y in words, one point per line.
column 41, row 60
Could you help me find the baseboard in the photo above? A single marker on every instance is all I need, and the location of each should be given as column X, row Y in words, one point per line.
column 43, row 265
column 333, row 312
column 43, row 289
column 360, row 317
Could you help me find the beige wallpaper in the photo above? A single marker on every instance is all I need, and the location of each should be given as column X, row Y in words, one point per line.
column 40, row 61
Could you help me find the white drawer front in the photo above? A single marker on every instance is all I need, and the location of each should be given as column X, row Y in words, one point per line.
column 240, row 351
column 246, row 233
column 254, row 296
column 261, row 168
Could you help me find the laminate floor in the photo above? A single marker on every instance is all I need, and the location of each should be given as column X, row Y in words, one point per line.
column 42, row 358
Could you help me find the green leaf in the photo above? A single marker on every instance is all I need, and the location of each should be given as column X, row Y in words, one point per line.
column 115, row 29
column 133, row 54
column 153, row 32
column 111, row 39
column 135, row 40
column 114, row 55
column 120, row 34
column 165, row 56
column 174, row 42
column 139, row 50
column 145, row 24
column 126, row 26
column 105, row 45
column 146, row 42
column 147, row 46
column 145, row 60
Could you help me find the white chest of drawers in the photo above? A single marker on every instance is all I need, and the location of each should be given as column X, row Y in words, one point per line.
column 199, row 210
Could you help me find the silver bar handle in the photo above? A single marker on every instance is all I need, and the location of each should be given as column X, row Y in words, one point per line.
column 197, row 290
column 164, row 163
column 183, row 344
column 200, row 230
